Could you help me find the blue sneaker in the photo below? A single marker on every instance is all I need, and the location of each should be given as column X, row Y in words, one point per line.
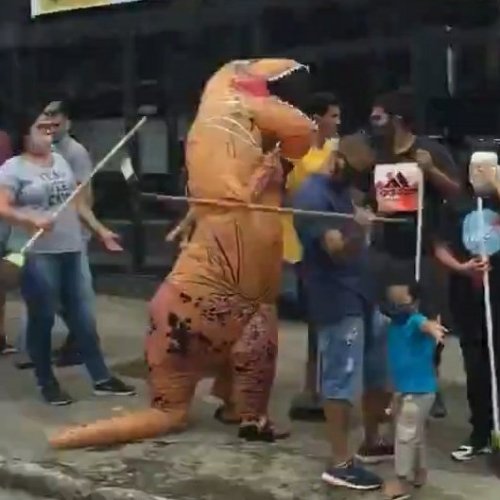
column 350, row 475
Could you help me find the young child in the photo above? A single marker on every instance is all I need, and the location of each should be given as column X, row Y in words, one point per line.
column 412, row 342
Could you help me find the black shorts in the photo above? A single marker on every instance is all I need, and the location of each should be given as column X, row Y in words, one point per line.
column 389, row 270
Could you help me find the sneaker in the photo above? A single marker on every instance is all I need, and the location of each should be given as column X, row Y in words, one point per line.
column 438, row 409
column 351, row 476
column 113, row 387
column 6, row 348
column 381, row 452
column 467, row 452
column 24, row 364
column 55, row 396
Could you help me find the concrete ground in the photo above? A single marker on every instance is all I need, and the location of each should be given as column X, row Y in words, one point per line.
column 208, row 462
column 15, row 495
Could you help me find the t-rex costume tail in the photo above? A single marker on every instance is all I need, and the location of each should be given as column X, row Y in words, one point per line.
column 215, row 311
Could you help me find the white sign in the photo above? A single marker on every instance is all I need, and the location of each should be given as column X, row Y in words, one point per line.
column 397, row 187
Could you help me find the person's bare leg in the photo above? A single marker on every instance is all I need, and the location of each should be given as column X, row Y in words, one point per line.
column 338, row 417
column 375, row 404
column 5, row 347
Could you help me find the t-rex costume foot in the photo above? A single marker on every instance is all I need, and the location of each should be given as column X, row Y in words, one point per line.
column 215, row 310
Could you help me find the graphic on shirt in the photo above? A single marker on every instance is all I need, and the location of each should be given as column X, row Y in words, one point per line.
column 396, row 187
column 58, row 188
column 471, row 232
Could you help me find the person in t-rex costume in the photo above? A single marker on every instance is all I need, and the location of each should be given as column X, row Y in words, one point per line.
column 215, row 312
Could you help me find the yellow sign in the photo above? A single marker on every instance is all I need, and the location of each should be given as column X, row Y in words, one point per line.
column 41, row 7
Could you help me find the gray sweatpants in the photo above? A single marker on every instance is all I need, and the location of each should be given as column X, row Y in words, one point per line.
column 411, row 413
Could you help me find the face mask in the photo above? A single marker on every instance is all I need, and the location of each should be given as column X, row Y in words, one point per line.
column 40, row 144
column 397, row 312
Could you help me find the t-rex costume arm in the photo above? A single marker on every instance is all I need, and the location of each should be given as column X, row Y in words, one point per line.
column 216, row 310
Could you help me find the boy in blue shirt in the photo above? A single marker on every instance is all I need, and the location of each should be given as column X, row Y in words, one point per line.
column 412, row 342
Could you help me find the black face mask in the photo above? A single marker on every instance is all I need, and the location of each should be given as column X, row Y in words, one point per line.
column 398, row 313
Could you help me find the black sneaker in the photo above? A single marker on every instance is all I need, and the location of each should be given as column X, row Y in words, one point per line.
column 351, row 476
column 55, row 396
column 114, row 387
column 381, row 452
column 468, row 452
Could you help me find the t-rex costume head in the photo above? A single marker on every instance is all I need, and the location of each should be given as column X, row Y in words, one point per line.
column 215, row 312
column 239, row 113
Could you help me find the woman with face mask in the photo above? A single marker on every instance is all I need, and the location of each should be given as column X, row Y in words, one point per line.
column 33, row 185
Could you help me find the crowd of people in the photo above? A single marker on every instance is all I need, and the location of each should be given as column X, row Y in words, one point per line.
column 377, row 326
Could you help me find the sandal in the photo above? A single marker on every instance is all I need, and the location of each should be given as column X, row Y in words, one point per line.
column 396, row 490
column 263, row 430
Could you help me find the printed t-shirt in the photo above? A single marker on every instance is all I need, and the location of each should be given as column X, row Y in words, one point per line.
column 41, row 191
column 411, row 356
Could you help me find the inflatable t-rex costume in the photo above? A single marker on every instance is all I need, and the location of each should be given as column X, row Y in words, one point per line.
column 215, row 312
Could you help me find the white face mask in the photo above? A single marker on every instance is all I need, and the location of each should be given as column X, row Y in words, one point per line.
column 40, row 141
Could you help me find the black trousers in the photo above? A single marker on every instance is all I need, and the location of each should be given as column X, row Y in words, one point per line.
column 467, row 308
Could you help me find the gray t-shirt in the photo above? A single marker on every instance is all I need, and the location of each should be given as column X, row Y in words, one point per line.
column 79, row 161
column 41, row 190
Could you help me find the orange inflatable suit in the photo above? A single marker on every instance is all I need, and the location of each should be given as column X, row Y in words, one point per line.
column 215, row 313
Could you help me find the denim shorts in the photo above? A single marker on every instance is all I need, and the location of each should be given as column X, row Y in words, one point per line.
column 352, row 357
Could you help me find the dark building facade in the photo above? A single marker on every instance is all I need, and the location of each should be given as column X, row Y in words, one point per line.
column 110, row 62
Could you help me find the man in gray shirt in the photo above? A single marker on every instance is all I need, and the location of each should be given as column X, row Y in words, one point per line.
column 80, row 162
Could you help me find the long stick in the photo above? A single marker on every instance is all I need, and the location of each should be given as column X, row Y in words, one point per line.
column 259, row 207
column 85, row 183
column 489, row 323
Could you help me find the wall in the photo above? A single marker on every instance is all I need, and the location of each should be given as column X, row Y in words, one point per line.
column 100, row 135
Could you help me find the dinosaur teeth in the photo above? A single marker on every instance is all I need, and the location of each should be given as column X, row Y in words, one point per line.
column 297, row 110
column 288, row 72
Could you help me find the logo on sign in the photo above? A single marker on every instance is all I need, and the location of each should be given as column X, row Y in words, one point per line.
column 397, row 186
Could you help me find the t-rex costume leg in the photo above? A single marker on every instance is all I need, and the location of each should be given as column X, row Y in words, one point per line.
column 228, row 274
column 253, row 357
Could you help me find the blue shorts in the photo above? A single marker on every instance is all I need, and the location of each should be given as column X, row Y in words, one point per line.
column 352, row 357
